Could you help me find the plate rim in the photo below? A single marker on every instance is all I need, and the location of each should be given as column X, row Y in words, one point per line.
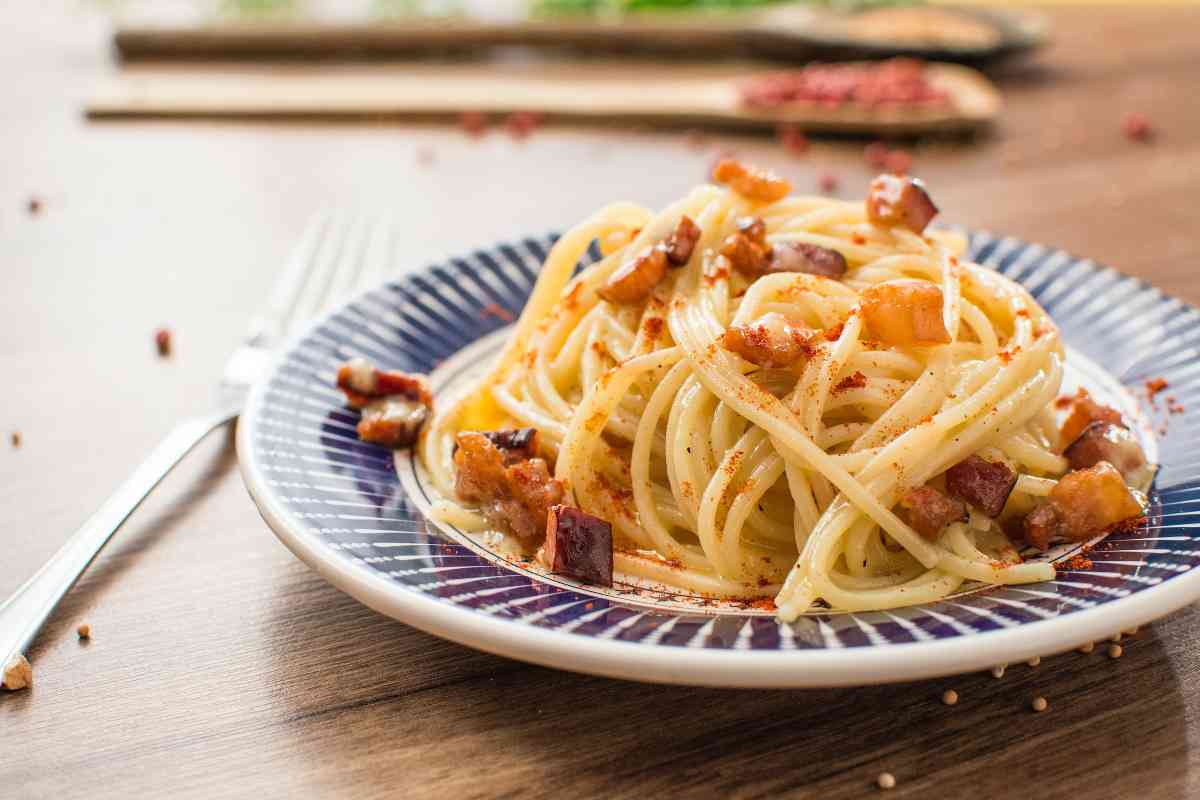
column 614, row 658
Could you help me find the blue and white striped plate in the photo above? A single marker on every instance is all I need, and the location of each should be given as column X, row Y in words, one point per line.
column 354, row 513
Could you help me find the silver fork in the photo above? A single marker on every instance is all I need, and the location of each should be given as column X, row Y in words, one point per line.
column 331, row 260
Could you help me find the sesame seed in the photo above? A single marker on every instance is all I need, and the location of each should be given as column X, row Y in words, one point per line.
column 998, row 671
column 1039, row 704
column 886, row 780
column 1115, row 651
column 84, row 631
column 949, row 697
column 1033, row 662
column 1087, row 648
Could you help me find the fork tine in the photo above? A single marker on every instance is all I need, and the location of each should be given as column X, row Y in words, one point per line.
column 337, row 248
column 277, row 315
column 351, row 265
column 378, row 262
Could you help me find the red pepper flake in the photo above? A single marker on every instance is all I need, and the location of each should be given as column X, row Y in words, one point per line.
column 496, row 310
column 828, row 182
column 793, row 139
column 1136, row 127
column 859, row 239
column 588, row 606
column 855, row 381
column 763, row 604
column 1064, row 401
column 898, row 162
column 835, row 333
column 16, row 438
column 1080, row 562
column 876, row 155
column 1173, row 407
column 1154, row 386
column 35, row 205
column 162, row 340
column 896, row 82
column 473, row 123
column 719, row 274
column 522, row 123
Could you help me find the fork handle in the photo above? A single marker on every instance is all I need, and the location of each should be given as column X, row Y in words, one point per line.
column 23, row 614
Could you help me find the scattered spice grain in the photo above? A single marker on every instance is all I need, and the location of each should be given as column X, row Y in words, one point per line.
column 886, row 780
column 1115, row 651
column 1039, row 704
column 1136, row 127
column 18, row 673
column 162, row 340
column 84, row 631
column 949, row 697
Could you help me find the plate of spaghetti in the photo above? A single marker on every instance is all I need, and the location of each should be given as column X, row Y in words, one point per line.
column 751, row 439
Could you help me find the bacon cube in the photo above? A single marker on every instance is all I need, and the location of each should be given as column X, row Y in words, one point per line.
column 579, row 545
column 900, row 202
column 810, row 259
column 1093, row 500
column 1085, row 411
column 746, row 255
column 771, row 341
column 514, row 445
column 1106, row 441
column 905, row 312
column 362, row 383
column 682, row 241
column 514, row 497
column 984, row 484
column 633, row 281
column 756, row 185
column 1041, row 526
column 392, row 421
column 930, row 511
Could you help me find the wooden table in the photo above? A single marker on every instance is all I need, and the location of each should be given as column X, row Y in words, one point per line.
column 220, row 666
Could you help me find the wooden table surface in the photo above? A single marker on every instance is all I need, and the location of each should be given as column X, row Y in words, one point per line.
column 220, row 666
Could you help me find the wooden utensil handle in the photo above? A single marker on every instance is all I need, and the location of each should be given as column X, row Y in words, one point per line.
column 309, row 40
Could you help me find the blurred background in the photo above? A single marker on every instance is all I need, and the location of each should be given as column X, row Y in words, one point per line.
column 162, row 157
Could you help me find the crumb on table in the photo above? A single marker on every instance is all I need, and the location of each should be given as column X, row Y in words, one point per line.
column 16, row 439
column 84, row 631
column 162, row 340
column 18, row 673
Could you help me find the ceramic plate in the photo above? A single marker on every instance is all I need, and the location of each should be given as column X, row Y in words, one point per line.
column 356, row 514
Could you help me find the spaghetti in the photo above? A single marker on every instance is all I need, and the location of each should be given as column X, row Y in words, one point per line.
column 793, row 481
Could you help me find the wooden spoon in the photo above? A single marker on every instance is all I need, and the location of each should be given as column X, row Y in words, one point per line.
column 795, row 32
column 624, row 91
